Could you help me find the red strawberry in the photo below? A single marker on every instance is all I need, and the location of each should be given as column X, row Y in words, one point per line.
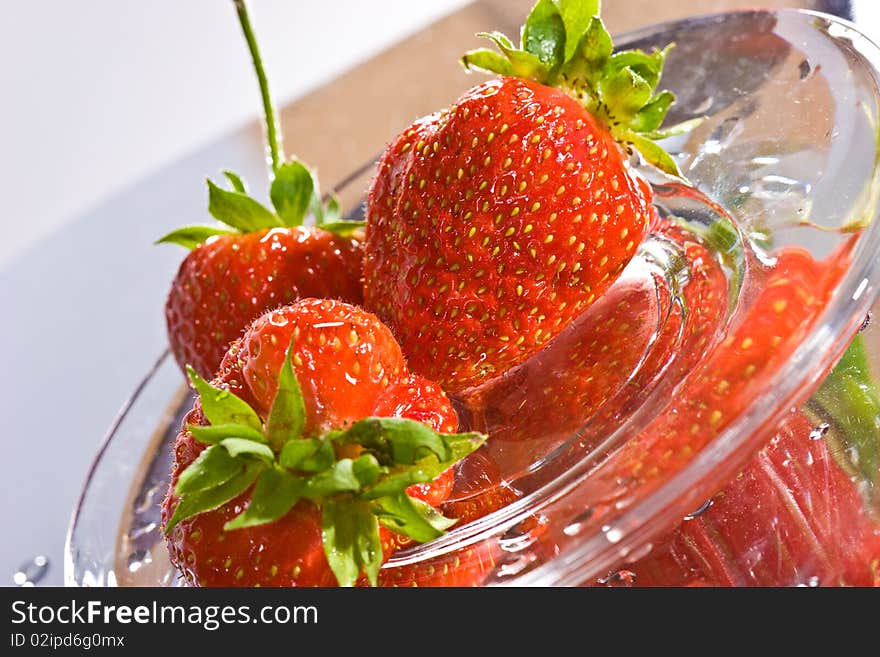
column 262, row 259
column 227, row 281
column 491, row 226
column 478, row 491
column 792, row 291
column 313, row 433
column 792, row 516
column 467, row 566
column 595, row 372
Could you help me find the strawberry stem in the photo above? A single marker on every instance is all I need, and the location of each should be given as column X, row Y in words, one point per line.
column 273, row 132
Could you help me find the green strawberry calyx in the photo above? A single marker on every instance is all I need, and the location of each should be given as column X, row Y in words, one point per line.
column 294, row 194
column 564, row 44
column 294, row 191
column 283, row 466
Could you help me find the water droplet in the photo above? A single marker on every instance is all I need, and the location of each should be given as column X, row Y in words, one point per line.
column 819, row 431
column 137, row 559
column 147, row 500
column 31, row 572
column 516, row 565
column 699, row 511
column 613, row 534
column 517, row 538
column 142, row 531
column 704, row 105
column 577, row 524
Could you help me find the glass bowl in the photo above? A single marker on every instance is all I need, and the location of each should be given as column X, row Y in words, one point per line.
column 786, row 158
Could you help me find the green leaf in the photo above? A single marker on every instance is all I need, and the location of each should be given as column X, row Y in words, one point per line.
column 396, row 440
column 291, row 192
column 236, row 182
column 239, row 210
column 499, row 39
column 591, row 54
column 544, row 34
column 214, row 466
column 298, row 450
column 343, row 228
column 576, row 16
column 366, row 469
column 650, row 116
column 462, row 444
column 287, row 417
column 210, row 498
column 321, row 459
column 221, row 406
column 333, row 212
column 624, row 94
column 243, row 447
column 192, row 236
column 275, row 493
column 488, row 61
column 849, row 398
column 316, row 205
column 654, row 154
column 398, row 478
column 646, row 66
column 722, row 236
column 351, row 541
column 338, row 478
column 677, row 129
column 213, row 434
column 522, row 64
column 566, row 45
column 408, row 516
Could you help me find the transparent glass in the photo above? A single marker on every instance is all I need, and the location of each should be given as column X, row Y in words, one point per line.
column 788, row 157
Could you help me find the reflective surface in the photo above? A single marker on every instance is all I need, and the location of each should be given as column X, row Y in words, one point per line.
column 651, row 401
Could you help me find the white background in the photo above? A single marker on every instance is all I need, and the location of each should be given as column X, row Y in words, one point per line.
column 98, row 93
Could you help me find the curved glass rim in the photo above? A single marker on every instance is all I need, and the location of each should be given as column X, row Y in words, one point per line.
column 827, row 338
column 686, row 489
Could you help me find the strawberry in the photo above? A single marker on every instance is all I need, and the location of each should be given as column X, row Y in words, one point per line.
column 308, row 456
column 593, row 375
column 792, row 289
column 795, row 289
column 262, row 258
column 493, row 224
column 227, row 281
column 467, row 566
column 478, row 489
column 792, row 516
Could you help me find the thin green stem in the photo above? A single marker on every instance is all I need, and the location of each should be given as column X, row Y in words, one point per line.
column 273, row 132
